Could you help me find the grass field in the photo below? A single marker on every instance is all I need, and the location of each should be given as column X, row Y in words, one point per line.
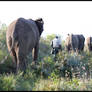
column 47, row 75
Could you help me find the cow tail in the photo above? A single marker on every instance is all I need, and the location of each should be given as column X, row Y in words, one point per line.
column 12, row 46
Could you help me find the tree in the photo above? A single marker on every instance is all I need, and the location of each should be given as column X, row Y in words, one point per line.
column 3, row 35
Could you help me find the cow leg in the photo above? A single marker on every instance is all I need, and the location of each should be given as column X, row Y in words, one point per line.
column 17, row 63
column 35, row 53
column 90, row 48
column 21, row 61
column 13, row 54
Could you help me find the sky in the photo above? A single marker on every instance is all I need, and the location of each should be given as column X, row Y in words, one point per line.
column 60, row 17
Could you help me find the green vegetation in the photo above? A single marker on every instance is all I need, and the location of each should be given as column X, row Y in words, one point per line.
column 47, row 75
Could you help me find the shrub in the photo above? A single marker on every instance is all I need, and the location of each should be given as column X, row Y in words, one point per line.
column 7, row 82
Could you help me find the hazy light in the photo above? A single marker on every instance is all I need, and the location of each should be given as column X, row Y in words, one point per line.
column 59, row 17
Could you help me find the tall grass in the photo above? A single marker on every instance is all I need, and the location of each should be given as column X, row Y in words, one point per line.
column 47, row 75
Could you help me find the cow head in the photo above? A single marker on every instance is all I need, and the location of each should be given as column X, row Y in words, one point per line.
column 39, row 23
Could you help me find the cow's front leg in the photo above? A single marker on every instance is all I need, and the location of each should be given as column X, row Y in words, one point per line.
column 35, row 53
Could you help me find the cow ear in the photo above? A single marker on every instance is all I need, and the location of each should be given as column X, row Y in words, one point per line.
column 39, row 23
column 40, row 20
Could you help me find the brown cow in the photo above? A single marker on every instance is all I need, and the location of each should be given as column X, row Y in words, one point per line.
column 89, row 43
column 22, row 37
column 75, row 42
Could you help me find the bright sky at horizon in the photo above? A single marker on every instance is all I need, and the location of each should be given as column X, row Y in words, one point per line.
column 60, row 17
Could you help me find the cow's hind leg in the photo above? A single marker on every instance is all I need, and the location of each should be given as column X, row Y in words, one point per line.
column 21, row 61
column 13, row 54
column 35, row 53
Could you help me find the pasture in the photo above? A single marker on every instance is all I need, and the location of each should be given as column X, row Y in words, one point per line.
column 47, row 75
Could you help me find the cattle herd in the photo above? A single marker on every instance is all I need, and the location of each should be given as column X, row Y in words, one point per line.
column 23, row 35
column 77, row 43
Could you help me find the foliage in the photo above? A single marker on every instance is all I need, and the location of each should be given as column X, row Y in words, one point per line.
column 47, row 75
column 3, row 36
